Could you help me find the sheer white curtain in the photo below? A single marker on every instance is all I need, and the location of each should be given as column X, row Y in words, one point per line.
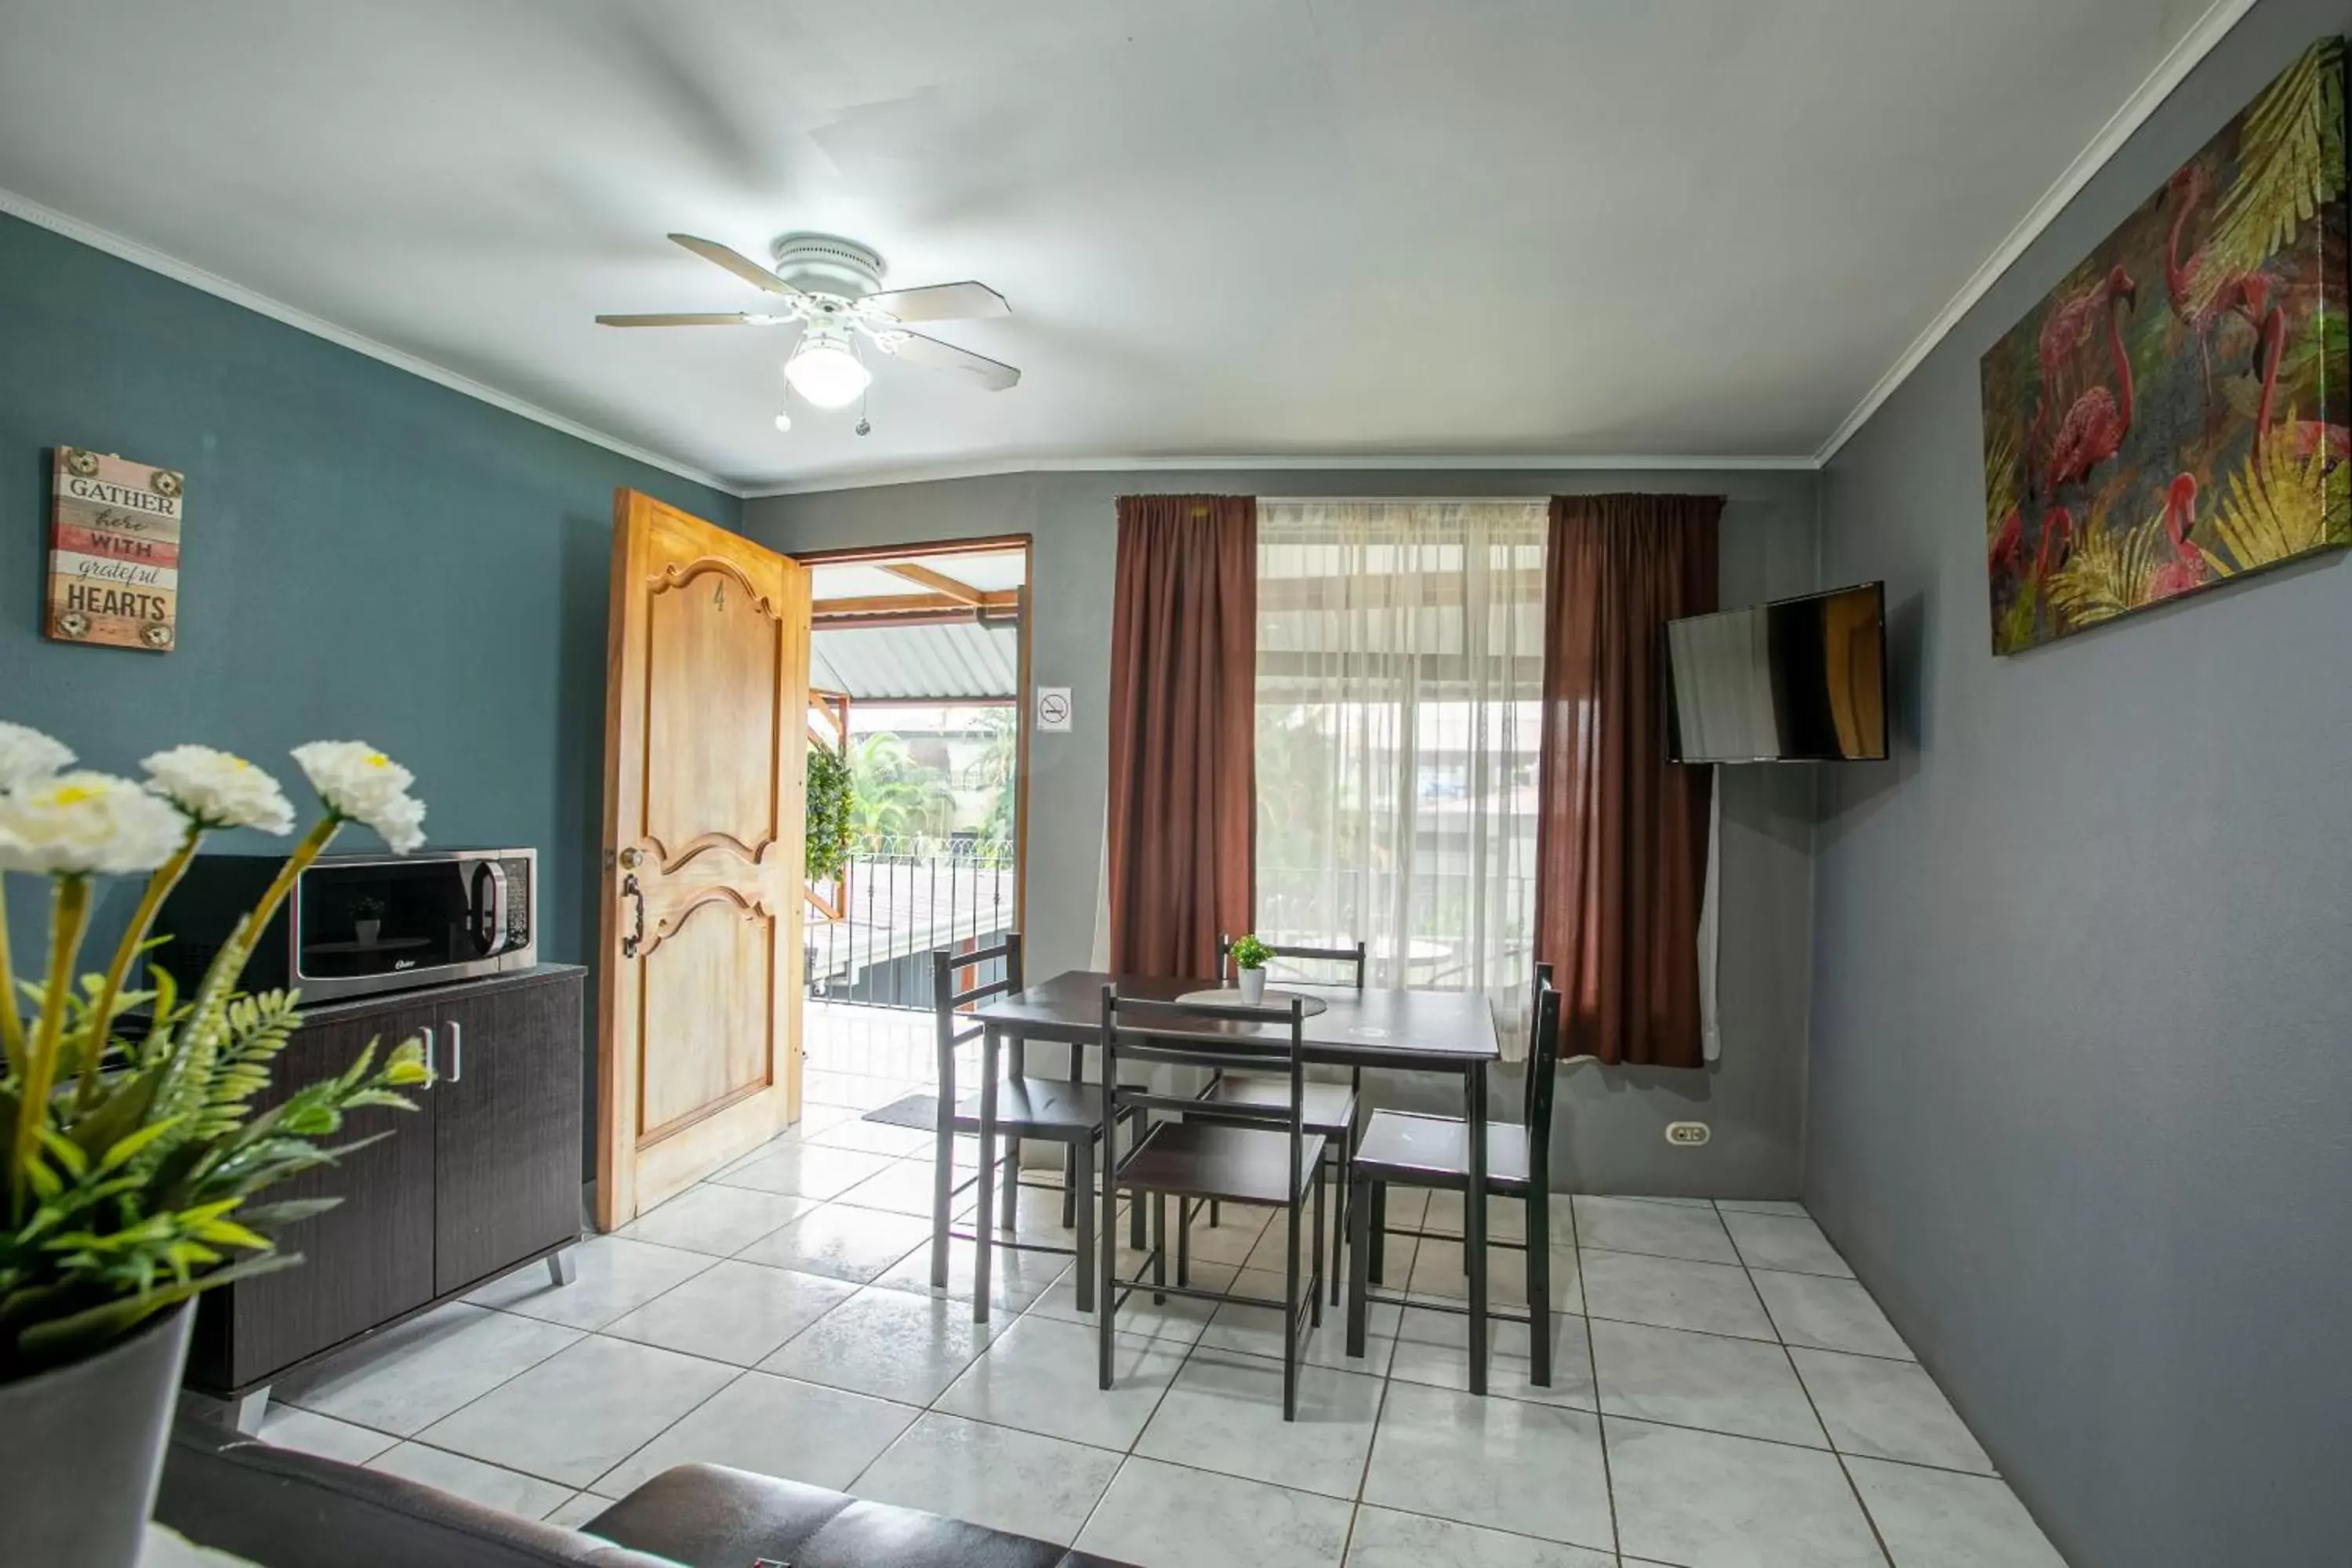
column 1400, row 685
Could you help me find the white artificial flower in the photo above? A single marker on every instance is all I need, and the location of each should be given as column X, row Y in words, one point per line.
column 358, row 782
column 218, row 790
column 401, row 824
column 77, row 824
column 27, row 755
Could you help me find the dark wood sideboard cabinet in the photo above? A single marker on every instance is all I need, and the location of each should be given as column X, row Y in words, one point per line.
column 481, row 1178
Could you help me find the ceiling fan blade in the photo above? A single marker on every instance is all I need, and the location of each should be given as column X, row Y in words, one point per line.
column 691, row 318
column 933, row 354
column 738, row 263
column 938, row 303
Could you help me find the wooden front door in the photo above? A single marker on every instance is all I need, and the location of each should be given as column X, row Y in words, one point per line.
column 704, row 785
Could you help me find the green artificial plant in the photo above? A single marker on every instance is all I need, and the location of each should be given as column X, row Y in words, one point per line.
column 832, row 803
column 133, row 1153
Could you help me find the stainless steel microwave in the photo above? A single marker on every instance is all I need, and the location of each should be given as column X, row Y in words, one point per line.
column 356, row 924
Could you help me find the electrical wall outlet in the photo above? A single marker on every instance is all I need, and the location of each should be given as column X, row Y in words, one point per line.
column 1687, row 1134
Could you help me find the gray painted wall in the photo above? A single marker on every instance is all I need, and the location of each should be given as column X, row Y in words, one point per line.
column 2083, row 1040
column 1612, row 1121
column 367, row 555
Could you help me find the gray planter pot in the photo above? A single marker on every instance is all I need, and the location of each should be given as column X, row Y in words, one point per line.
column 81, row 1448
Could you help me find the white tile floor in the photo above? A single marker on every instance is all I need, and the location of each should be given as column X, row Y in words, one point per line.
column 1724, row 1394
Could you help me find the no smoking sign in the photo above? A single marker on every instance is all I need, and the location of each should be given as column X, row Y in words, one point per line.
column 1054, row 709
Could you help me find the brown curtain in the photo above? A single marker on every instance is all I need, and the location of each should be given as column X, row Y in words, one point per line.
column 1621, row 851
column 1183, row 653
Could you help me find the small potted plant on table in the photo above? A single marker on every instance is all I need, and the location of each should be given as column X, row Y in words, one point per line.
column 367, row 919
column 132, row 1155
column 1249, row 967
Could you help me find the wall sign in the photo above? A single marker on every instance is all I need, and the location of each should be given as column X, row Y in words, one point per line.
column 1053, row 709
column 114, row 552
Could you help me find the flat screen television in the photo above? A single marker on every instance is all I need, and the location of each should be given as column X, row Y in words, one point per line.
column 1796, row 680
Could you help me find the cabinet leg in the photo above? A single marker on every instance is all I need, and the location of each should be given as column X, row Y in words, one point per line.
column 562, row 1268
column 243, row 1415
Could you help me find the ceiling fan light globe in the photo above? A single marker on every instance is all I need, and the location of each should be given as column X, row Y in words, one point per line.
column 827, row 373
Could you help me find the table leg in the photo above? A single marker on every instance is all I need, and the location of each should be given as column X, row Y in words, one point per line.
column 1082, row 1165
column 1314, row 1258
column 943, row 1173
column 1362, row 1240
column 1474, row 1226
column 1159, row 1246
column 1010, row 1197
column 1135, row 1240
column 1343, row 1194
column 1017, row 1062
column 986, row 1237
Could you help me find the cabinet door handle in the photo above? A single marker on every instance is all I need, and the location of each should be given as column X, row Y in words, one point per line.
column 457, row 1052
column 432, row 1067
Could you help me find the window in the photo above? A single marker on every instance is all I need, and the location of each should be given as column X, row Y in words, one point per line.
column 1400, row 684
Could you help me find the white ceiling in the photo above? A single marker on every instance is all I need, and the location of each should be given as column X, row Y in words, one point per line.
column 987, row 571
column 1471, row 228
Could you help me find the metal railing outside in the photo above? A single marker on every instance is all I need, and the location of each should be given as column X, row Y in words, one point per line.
column 1435, row 949
column 909, row 896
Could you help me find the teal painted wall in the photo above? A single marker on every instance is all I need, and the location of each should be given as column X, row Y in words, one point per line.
column 366, row 554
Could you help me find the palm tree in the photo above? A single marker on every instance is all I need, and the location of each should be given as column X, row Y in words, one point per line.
column 897, row 798
column 996, row 770
column 1299, row 813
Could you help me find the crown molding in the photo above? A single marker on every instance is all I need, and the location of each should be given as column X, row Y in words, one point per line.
column 1364, row 462
column 196, row 277
column 2197, row 42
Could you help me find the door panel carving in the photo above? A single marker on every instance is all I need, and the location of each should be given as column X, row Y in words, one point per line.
column 707, row 966
column 722, row 654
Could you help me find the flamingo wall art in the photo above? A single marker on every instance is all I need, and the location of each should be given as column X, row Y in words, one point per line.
column 2175, row 413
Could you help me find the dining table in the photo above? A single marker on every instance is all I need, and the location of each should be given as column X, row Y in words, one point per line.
column 1450, row 1033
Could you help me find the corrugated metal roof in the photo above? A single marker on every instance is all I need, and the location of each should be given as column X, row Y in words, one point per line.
column 955, row 662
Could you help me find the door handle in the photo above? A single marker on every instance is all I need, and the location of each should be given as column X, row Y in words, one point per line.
column 637, row 937
column 457, row 1052
column 489, row 914
column 432, row 1067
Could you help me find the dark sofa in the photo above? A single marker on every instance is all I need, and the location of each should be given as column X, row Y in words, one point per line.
column 287, row 1510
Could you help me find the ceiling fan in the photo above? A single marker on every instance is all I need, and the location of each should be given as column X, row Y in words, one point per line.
column 832, row 289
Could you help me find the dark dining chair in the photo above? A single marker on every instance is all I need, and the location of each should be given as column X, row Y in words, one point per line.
column 1229, row 1152
column 1048, row 1109
column 1409, row 1149
column 1330, row 1108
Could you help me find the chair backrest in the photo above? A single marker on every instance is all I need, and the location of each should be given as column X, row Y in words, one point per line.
column 1543, row 1066
column 1352, row 956
column 946, row 999
column 1212, row 1035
